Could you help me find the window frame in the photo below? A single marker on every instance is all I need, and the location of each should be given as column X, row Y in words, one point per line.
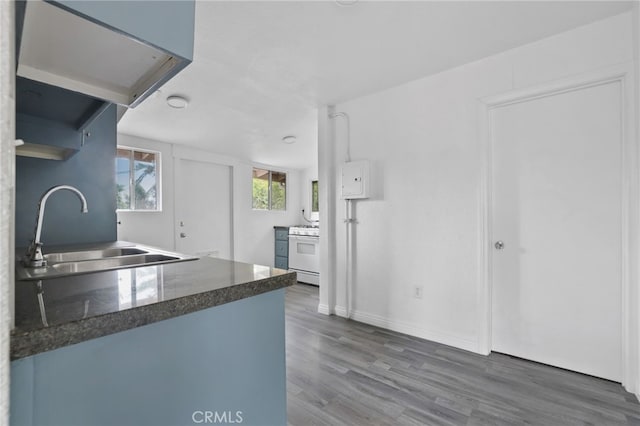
column 158, row 156
column 269, row 183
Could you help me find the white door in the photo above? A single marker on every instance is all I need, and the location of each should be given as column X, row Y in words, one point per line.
column 557, row 208
column 203, row 209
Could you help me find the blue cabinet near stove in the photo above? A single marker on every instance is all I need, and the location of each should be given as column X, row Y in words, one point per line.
column 281, row 249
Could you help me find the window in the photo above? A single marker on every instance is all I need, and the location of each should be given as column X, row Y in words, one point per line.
column 314, row 197
column 269, row 190
column 137, row 174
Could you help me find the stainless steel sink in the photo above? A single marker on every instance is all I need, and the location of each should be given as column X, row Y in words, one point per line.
column 112, row 263
column 95, row 260
column 75, row 256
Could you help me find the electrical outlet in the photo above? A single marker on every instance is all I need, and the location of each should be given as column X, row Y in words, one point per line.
column 417, row 292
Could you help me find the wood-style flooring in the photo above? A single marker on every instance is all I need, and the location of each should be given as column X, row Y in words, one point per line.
column 342, row 372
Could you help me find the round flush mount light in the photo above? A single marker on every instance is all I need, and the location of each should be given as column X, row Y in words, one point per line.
column 177, row 102
column 346, row 2
column 289, row 139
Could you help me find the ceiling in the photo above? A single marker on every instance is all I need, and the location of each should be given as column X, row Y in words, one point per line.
column 262, row 68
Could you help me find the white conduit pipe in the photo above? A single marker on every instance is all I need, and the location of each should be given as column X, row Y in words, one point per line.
column 349, row 237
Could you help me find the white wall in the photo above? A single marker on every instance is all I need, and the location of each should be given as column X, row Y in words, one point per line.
column 252, row 229
column 421, row 226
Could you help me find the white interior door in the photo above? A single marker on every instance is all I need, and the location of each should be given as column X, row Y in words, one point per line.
column 557, row 208
column 203, row 209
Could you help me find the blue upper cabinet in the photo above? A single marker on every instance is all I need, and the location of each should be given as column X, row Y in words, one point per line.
column 118, row 51
column 167, row 25
column 67, row 117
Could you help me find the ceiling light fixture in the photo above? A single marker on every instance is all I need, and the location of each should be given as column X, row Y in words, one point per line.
column 289, row 139
column 346, row 2
column 178, row 102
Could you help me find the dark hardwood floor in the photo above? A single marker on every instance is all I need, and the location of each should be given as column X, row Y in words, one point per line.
column 342, row 372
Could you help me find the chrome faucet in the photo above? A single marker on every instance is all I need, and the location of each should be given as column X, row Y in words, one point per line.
column 33, row 257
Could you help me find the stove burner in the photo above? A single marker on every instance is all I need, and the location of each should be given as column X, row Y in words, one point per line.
column 305, row 230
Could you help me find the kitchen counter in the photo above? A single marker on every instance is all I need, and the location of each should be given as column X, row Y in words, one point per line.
column 69, row 310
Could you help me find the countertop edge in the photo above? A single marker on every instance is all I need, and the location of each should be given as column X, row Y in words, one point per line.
column 32, row 342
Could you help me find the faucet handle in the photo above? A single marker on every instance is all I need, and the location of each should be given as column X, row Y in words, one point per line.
column 34, row 257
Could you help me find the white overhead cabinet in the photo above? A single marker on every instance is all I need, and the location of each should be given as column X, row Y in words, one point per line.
column 117, row 51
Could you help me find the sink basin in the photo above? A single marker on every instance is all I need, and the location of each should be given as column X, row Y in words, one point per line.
column 111, row 263
column 95, row 260
column 74, row 256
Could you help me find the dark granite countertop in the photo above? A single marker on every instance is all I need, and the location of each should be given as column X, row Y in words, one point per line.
column 64, row 311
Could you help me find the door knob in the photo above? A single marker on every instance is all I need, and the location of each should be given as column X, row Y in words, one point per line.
column 183, row 235
column 499, row 245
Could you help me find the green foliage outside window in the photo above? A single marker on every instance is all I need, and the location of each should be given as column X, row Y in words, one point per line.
column 269, row 190
column 314, row 197
column 260, row 194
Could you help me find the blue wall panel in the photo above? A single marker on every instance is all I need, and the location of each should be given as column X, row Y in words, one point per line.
column 91, row 170
column 225, row 359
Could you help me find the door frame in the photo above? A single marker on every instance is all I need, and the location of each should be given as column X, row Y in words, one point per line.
column 621, row 74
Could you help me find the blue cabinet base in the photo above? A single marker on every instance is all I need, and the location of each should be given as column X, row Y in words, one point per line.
column 281, row 247
column 227, row 363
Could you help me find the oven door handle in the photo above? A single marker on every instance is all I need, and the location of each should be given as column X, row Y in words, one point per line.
column 307, row 238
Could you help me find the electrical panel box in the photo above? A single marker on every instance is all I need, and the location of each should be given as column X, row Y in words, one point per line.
column 355, row 180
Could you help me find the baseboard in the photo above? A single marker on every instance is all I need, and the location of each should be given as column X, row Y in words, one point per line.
column 324, row 309
column 412, row 330
column 340, row 311
column 632, row 386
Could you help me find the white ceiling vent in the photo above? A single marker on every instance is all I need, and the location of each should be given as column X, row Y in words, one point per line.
column 65, row 50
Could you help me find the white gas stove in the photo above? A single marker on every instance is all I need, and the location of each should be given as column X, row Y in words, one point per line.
column 307, row 230
column 304, row 253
